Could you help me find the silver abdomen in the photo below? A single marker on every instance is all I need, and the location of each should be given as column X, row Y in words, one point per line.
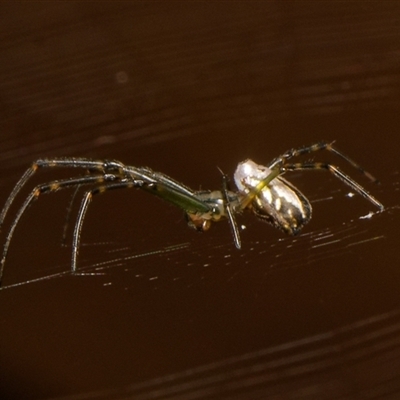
column 279, row 202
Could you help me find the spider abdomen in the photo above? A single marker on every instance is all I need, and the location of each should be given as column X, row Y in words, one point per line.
column 279, row 202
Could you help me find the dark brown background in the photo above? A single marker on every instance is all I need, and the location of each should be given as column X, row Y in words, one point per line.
column 184, row 88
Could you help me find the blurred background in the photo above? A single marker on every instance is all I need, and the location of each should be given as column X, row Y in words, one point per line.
column 163, row 312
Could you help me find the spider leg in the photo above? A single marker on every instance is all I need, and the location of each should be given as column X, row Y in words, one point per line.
column 229, row 211
column 68, row 214
column 87, row 199
column 279, row 161
column 24, row 178
column 34, row 195
column 105, row 167
column 338, row 174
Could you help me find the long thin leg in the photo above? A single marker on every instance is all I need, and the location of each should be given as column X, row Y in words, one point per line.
column 102, row 166
column 229, row 211
column 36, row 192
column 338, row 174
column 279, row 161
column 87, row 199
column 68, row 215
column 24, row 178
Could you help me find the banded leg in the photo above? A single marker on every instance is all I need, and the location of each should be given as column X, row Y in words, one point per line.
column 338, row 174
column 34, row 195
column 92, row 165
column 281, row 160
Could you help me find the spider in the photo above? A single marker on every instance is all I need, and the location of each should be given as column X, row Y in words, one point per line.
column 261, row 189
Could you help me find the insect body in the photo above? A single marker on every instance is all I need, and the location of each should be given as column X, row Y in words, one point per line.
column 261, row 189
